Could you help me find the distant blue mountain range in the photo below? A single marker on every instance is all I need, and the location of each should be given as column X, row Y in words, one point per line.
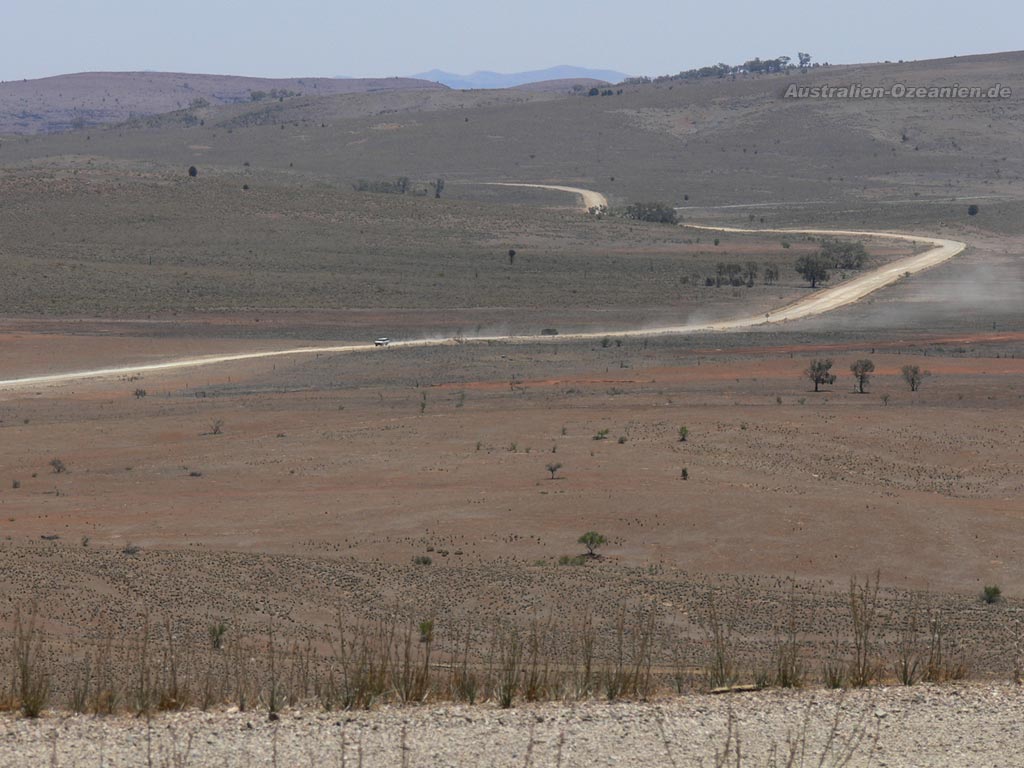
column 499, row 80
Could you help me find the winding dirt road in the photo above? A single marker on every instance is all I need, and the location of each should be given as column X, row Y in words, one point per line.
column 591, row 199
column 817, row 303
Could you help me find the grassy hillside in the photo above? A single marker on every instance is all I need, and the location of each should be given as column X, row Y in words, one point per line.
column 111, row 220
column 109, row 239
column 705, row 143
column 89, row 99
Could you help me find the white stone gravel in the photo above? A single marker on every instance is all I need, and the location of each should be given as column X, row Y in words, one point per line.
column 974, row 725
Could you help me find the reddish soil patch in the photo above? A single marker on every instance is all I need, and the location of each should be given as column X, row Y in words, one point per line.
column 782, row 481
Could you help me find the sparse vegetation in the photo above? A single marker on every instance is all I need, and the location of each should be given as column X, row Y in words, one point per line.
column 814, row 268
column 864, row 666
column 720, row 71
column 592, row 540
column 32, row 678
column 843, row 254
column 991, row 594
column 820, row 372
column 914, row 376
column 660, row 213
column 862, row 370
column 217, row 631
column 335, row 514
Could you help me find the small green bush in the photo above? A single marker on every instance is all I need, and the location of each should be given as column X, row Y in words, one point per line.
column 569, row 560
column 592, row 540
column 991, row 594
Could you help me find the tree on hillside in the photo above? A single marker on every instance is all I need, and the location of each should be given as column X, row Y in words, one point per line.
column 862, row 370
column 820, row 372
column 592, row 540
column 553, row 468
column 805, row 60
column 813, row 268
column 662, row 213
column 750, row 270
column 913, row 375
column 844, row 254
column 728, row 274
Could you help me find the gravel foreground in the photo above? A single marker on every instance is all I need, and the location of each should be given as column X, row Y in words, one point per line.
column 962, row 725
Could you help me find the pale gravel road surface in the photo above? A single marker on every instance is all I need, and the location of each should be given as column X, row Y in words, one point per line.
column 973, row 726
column 588, row 197
column 824, row 300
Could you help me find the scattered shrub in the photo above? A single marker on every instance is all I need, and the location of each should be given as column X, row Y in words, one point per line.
column 570, row 560
column 592, row 540
column 991, row 594
column 426, row 629
column 217, row 633
column 661, row 213
column 914, row 376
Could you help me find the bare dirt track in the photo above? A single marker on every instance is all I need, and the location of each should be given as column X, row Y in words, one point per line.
column 964, row 726
column 589, row 197
column 823, row 301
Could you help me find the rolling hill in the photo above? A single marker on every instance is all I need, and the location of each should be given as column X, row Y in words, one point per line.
column 88, row 99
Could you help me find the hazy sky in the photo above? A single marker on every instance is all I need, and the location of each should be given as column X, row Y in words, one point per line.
column 388, row 37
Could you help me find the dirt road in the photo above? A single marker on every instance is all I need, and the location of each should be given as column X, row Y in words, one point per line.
column 590, row 198
column 817, row 303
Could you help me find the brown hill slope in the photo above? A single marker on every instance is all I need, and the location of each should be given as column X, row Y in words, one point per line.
column 97, row 98
column 696, row 144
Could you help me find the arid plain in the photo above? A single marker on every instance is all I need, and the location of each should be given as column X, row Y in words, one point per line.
column 276, row 495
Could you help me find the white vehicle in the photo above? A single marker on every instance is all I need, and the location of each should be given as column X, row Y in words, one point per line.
column 383, row 341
